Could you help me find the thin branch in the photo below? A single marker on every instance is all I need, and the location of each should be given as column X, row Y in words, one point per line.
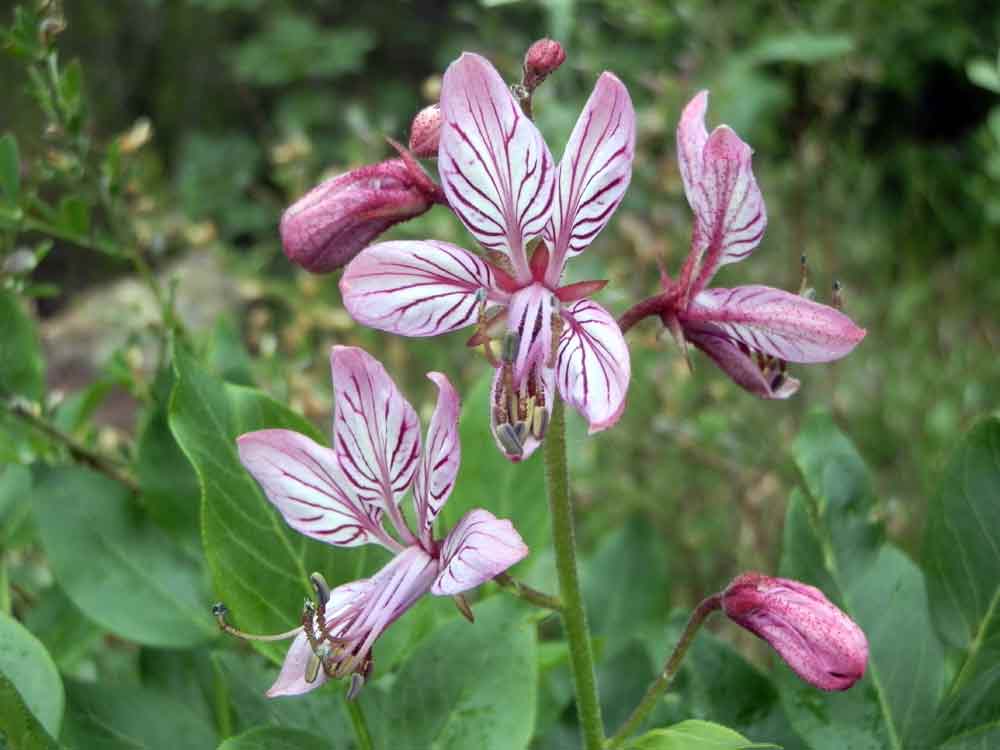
column 523, row 591
column 80, row 453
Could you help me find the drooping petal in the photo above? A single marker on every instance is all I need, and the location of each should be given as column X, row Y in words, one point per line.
column 740, row 365
column 729, row 212
column 438, row 466
column 305, row 483
column 292, row 678
column 778, row 323
column 376, row 432
column 691, row 138
column 529, row 317
column 519, row 415
column 415, row 288
column 496, row 170
column 594, row 172
column 593, row 367
column 480, row 547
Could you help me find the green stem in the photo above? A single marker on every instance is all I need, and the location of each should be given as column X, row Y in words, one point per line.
column 359, row 723
column 660, row 685
column 574, row 615
column 527, row 593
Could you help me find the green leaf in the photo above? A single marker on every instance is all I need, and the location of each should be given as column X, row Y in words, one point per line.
column 831, row 542
column 276, row 738
column 59, row 624
column 26, row 663
column 985, row 73
column 71, row 90
column 488, row 480
column 962, row 560
column 123, row 572
column 131, row 717
column 19, row 729
column 802, row 47
column 465, row 686
column 259, row 566
column 10, row 170
column 74, row 216
column 694, row 735
column 625, row 585
column 22, row 371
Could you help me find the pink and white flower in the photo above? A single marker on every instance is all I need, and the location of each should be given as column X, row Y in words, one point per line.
column 501, row 181
column 751, row 332
column 342, row 496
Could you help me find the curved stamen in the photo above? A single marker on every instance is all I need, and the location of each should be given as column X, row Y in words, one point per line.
column 220, row 610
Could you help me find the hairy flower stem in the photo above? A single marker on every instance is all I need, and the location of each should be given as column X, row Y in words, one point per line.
column 574, row 615
column 527, row 593
column 641, row 310
column 359, row 723
column 661, row 683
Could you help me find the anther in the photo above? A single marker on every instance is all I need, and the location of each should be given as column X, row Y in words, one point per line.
column 838, row 298
column 357, row 682
column 508, row 439
column 463, row 606
column 539, row 422
column 509, row 346
column 321, row 587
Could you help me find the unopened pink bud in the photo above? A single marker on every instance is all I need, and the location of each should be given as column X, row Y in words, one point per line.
column 542, row 58
column 818, row 641
column 425, row 132
column 334, row 221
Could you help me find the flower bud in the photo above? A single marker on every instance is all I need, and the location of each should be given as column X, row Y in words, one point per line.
column 334, row 221
column 820, row 643
column 542, row 58
column 425, row 132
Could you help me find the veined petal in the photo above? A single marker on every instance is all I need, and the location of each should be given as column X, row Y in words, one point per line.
column 438, row 466
column 530, row 318
column 292, row 678
column 480, row 547
column 593, row 367
column 304, row 482
column 739, row 364
column 691, row 138
column 496, row 170
column 415, row 288
column 376, row 432
column 594, row 172
column 778, row 323
column 729, row 212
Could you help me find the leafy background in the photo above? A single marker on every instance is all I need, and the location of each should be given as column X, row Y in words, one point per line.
column 876, row 130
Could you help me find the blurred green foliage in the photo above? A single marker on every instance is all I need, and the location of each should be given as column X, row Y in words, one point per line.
column 184, row 129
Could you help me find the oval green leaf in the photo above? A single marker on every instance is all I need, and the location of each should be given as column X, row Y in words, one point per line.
column 26, row 663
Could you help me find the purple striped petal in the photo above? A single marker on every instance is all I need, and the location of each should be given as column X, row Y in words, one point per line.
column 530, row 317
column 740, row 365
column 304, row 481
column 480, row 547
column 438, row 467
column 593, row 366
column 779, row 323
column 292, row 678
column 415, row 288
column 594, row 172
column 729, row 212
column 496, row 170
column 376, row 433
column 691, row 138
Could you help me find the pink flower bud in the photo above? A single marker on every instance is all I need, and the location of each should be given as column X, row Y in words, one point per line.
column 334, row 221
column 542, row 58
column 425, row 132
column 819, row 642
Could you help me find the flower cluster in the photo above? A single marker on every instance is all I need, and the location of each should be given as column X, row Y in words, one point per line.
column 545, row 338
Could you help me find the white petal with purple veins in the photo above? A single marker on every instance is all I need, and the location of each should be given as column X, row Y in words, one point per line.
column 594, row 172
column 375, row 429
column 593, row 366
column 496, row 170
column 438, row 466
column 480, row 547
column 778, row 323
column 530, row 318
column 415, row 288
column 305, row 483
